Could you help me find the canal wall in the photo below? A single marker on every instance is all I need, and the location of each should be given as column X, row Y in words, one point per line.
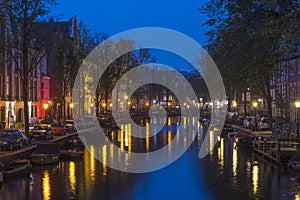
column 249, row 131
column 24, row 153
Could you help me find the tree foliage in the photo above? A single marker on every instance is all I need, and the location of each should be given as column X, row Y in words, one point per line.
column 249, row 38
column 26, row 45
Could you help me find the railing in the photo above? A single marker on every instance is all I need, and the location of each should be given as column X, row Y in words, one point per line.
column 275, row 148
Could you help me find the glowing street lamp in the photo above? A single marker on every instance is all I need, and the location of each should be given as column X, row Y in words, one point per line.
column 297, row 105
column 255, row 109
column 255, row 104
column 234, row 104
column 71, row 105
column 45, row 106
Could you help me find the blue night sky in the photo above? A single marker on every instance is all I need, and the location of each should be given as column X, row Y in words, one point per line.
column 114, row 16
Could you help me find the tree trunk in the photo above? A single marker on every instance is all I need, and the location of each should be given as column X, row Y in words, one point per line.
column 269, row 104
column 97, row 102
column 25, row 100
column 229, row 105
column 245, row 104
column 64, row 107
column 25, row 54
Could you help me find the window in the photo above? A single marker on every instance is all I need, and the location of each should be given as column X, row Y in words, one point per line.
column 1, row 84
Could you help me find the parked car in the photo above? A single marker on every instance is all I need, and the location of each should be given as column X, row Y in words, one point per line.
column 42, row 130
column 251, row 123
column 58, row 128
column 10, row 138
column 263, row 123
column 243, row 139
column 48, row 121
column 70, row 126
column 247, row 121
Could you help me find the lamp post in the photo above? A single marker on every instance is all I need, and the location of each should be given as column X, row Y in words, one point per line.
column 255, row 109
column 297, row 105
column 45, row 106
column 71, row 105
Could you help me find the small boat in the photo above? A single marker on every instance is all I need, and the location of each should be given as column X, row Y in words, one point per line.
column 232, row 134
column 227, row 127
column 71, row 153
column 45, row 154
column 14, row 169
column 243, row 139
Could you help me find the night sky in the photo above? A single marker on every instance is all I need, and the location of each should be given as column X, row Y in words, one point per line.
column 114, row 16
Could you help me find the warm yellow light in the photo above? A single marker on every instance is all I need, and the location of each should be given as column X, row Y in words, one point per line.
column 297, row 104
column 129, row 102
column 255, row 178
column 254, row 104
column 103, row 105
column 234, row 104
column 46, row 186
column 45, row 106
column 71, row 105
column 72, row 177
column 169, row 104
column 147, row 104
column 110, row 105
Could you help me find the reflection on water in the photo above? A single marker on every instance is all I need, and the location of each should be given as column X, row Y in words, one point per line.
column 226, row 173
column 211, row 144
column 104, row 161
column 92, row 162
column 221, row 154
column 72, row 178
column 46, row 186
column 234, row 162
column 169, row 142
column 147, row 137
column 255, row 179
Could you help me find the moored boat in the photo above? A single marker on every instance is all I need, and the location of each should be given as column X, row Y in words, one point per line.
column 45, row 154
column 232, row 134
column 243, row 139
column 14, row 169
column 71, row 153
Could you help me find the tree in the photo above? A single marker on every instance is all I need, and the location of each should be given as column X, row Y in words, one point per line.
column 27, row 50
column 254, row 36
column 119, row 67
column 67, row 55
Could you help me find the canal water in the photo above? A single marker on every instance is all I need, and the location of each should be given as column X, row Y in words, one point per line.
column 227, row 172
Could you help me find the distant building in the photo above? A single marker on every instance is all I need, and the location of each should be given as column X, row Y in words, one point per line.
column 45, row 92
column 11, row 94
column 57, row 90
column 286, row 90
